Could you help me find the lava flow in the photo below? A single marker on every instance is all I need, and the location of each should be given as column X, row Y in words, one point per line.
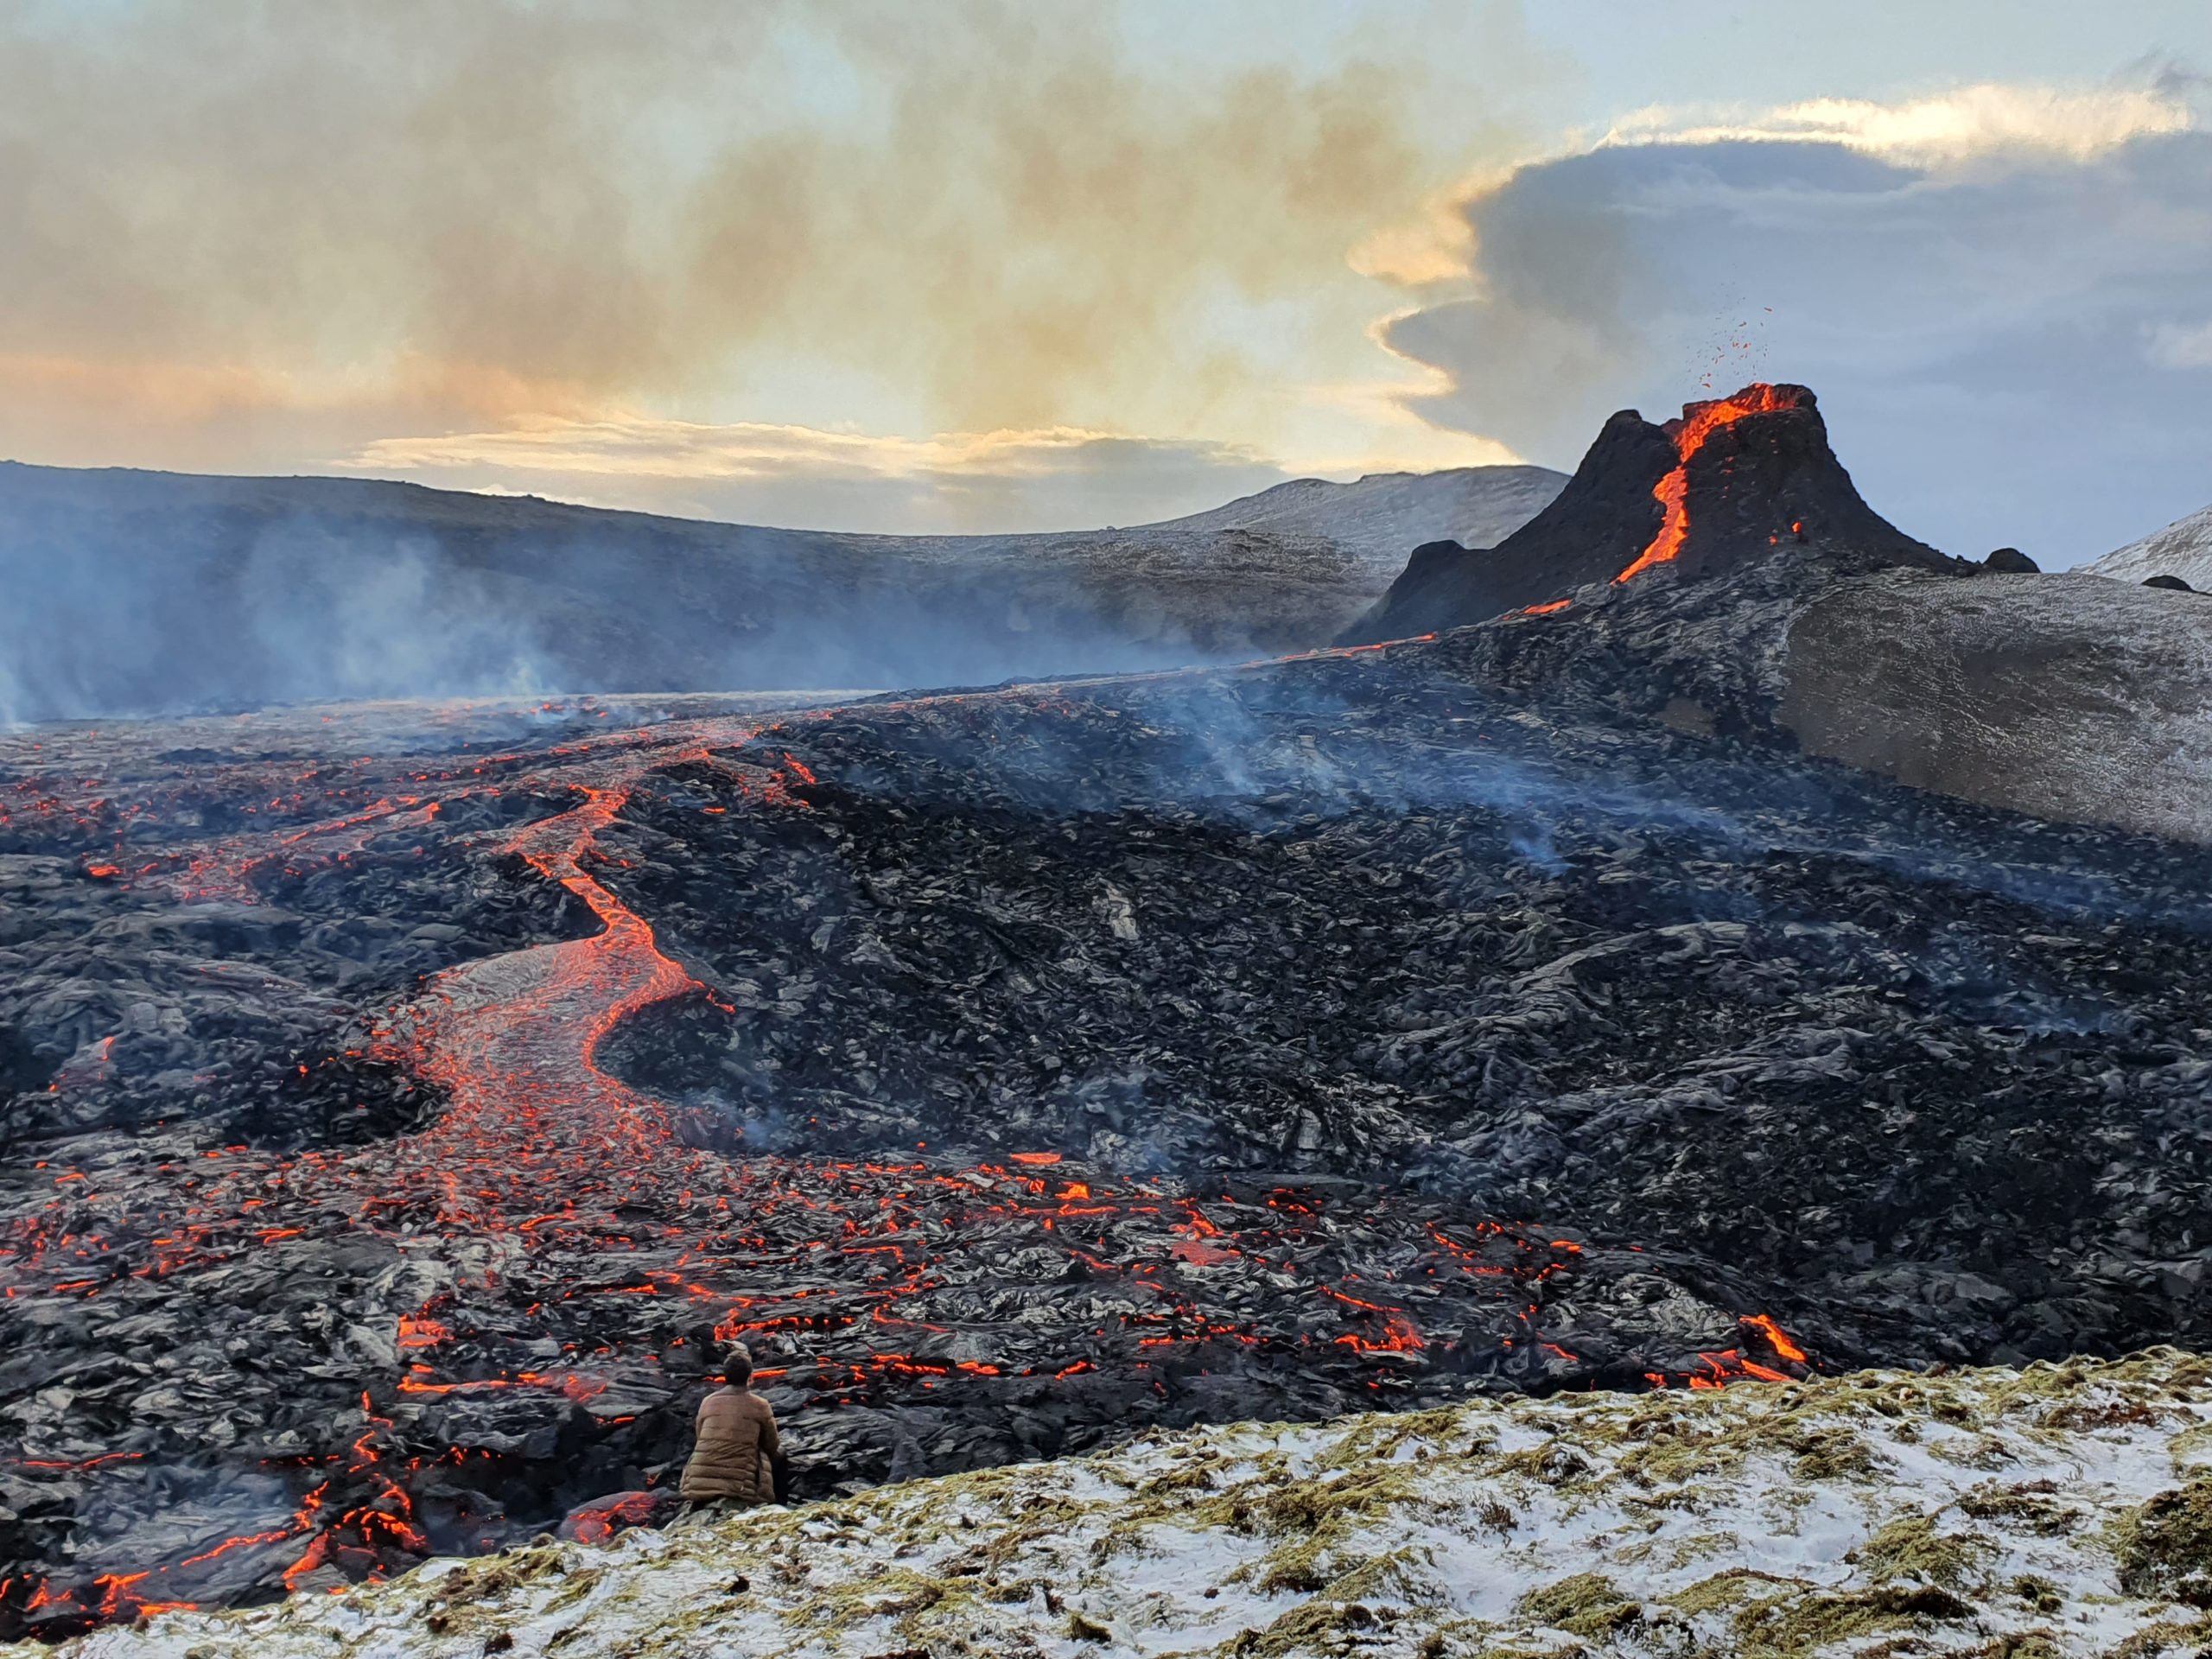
column 1698, row 424
column 466, row 1330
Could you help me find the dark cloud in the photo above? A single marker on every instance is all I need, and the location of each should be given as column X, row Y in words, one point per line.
column 2005, row 344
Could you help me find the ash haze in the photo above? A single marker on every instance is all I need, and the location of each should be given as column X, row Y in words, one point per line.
column 993, row 266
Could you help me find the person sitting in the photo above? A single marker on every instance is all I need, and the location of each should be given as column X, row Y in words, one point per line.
column 736, row 1454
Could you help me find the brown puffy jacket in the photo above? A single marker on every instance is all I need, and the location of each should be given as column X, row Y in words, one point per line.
column 736, row 1435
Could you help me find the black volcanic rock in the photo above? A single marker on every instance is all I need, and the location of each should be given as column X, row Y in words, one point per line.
column 1037, row 1066
column 1764, row 481
column 1433, row 577
column 2010, row 562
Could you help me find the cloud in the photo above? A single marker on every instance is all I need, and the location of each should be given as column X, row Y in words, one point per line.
column 644, row 445
column 1045, row 479
column 1966, row 124
column 984, row 213
column 2179, row 346
column 1982, row 327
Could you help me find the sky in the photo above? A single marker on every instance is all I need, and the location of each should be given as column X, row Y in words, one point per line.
column 922, row 265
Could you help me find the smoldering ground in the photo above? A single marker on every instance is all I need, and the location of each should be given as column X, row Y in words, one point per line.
column 1466, row 972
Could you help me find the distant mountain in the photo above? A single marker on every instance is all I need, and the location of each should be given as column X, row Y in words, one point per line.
column 1374, row 516
column 2182, row 549
column 136, row 592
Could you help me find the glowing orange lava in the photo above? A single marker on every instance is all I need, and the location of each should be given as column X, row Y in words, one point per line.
column 541, row 1159
column 1699, row 422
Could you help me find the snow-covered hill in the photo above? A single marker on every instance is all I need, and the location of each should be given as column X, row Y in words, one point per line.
column 2061, row 1509
column 1383, row 516
column 2182, row 549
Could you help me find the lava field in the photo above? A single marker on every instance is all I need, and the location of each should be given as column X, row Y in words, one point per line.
column 406, row 1099
column 404, row 1102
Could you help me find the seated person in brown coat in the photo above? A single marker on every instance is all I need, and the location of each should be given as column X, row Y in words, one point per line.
column 735, row 1450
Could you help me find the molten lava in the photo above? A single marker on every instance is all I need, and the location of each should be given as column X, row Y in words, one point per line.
column 1698, row 424
column 555, row 1189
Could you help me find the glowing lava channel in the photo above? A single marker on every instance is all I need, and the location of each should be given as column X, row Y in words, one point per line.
column 539, row 1153
column 1699, row 422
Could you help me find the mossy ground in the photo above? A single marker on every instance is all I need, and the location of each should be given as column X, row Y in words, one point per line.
column 2061, row 1509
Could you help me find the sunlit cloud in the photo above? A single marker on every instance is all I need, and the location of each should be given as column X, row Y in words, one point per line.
column 642, row 446
column 1967, row 124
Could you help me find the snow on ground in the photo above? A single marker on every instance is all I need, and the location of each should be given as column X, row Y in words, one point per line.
column 2056, row 696
column 2061, row 1509
column 2182, row 549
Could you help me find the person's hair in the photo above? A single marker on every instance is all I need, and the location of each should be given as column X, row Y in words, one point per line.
column 737, row 1365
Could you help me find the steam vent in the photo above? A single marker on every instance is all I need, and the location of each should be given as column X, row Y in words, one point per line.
column 1705, row 938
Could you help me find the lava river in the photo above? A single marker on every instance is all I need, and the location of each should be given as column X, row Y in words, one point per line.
column 505, row 1310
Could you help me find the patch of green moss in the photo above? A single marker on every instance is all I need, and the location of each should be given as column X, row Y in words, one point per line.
column 1831, row 1453
column 2165, row 1549
column 1586, row 1605
column 2020, row 1644
column 1406, row 1575
column 2033, row 1505
column 1721, row 1591
column 1312, row 1627
column 1554, row 1463
column 1974, row 1452
column 2041, row 1593
column 2191, row 1449
column 1911, row 1547
column 1192, row 1474
column 2168, row 1635
column 1786, row 1627
column 1310, row 1505
column 578, row 1587
column 1674, row 1454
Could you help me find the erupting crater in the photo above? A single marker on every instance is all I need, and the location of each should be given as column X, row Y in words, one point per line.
column 1735, row 480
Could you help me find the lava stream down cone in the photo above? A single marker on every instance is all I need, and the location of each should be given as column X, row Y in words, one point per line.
column 1731, row 480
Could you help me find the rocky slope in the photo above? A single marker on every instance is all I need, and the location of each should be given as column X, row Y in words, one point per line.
column 2064, row 1509
column 145, row 591
column 2182, row 549
column 1722, row 568
column 2056, row 695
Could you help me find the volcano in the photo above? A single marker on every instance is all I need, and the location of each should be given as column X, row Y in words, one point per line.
column 1731, row 481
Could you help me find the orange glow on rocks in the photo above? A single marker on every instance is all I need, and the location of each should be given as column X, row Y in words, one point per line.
column 1699, row 422
column 1775, row 1338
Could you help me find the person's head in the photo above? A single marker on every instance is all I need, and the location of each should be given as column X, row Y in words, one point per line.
column 737, row 1365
